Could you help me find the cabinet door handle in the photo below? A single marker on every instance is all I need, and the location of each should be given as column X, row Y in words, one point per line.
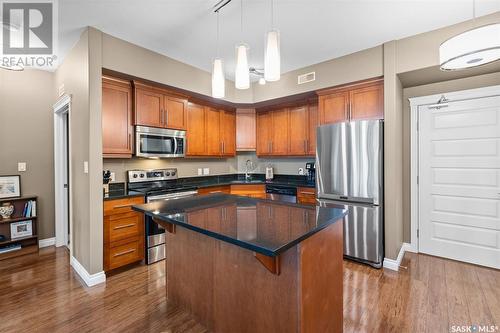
column 305, row 146
column 129, row 140
column 161, row 116
column 350, row 111
column 166, row 117
column 307, row 193
column 123, row 253
column 124, row 226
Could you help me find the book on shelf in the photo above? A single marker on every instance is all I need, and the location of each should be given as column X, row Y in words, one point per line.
column 29, row 209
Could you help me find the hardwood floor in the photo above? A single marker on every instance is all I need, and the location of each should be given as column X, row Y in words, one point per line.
column 42, row 294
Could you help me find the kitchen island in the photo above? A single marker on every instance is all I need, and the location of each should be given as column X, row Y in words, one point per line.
column 240, row 264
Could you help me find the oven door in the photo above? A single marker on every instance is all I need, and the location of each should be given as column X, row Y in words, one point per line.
column 158, row 142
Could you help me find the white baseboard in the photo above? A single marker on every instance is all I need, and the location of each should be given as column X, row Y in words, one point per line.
column 394, row 264
column 89, row 279
column 46, row 242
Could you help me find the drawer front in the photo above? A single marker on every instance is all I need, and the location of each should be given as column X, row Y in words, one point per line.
column 123, row 254
column 122, row 226
column 255, row 191
column 120, row 206
column 306, row 195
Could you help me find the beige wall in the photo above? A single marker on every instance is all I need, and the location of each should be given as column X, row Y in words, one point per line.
column 124, row 57
column 27, row 135
column 425, row 90
column 80, row 73
column 282, row 166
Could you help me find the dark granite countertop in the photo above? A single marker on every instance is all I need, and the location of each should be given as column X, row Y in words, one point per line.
column 122, row 194
column 264, row 226
column 221, row 180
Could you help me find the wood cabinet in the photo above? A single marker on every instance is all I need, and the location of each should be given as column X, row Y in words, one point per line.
column 253, row 191
column 123, row 233
column 157, row 107
column 363, row 100
column 246, row 130
column 289, row 131
column 210, row 131
column 215, row 189
column 306, row 195
column 117, row 123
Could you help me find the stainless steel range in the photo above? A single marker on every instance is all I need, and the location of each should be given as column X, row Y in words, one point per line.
column 157, row 185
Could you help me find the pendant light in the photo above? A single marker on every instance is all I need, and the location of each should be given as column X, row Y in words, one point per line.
column 272, row 61
column 218, row 79
column 242, row 74
column 471, row 48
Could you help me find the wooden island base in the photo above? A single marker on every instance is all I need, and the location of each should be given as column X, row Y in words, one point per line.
column 229, row 289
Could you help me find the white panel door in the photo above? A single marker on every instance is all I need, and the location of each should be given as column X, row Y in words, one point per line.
column 459, row 176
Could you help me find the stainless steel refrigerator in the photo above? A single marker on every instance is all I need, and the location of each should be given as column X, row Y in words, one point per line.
column 349, row 167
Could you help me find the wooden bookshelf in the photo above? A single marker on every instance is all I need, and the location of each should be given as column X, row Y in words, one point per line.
column 29, row 244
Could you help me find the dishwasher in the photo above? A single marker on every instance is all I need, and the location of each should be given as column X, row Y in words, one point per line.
column 281, row 193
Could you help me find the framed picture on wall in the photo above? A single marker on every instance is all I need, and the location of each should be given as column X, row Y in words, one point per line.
column 10, row 186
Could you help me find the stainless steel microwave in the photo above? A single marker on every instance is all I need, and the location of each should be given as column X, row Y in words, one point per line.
column 159, row 142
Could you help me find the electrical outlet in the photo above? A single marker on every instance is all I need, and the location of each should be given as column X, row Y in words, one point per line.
column 21, row 166
column 301, row 171
column 200, row 171
column 206, row 171
column 85, row 166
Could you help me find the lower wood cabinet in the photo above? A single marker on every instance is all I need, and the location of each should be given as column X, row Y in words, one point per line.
column 123, row 233
column 253, row 191
column 306, row 195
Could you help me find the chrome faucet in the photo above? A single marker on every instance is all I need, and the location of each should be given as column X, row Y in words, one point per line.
column 247, row 175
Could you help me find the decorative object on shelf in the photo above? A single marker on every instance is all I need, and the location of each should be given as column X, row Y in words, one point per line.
column 6, row 210
column 218, row 79
column 10, row 186
column 2, row 238
column 21, row 229
column 472, row 48
column 106, row 178
column 272, row 61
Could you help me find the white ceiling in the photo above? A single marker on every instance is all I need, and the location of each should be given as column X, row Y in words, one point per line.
column 311, row 30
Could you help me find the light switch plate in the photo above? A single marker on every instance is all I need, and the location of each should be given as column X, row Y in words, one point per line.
column 21, row 166
column 206, row 171
column 200, row 171
column 85, row 167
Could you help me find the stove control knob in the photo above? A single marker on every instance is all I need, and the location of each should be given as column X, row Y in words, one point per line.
column 135, row 175
column 142, row 175
column 173, row 173
column 168, row 173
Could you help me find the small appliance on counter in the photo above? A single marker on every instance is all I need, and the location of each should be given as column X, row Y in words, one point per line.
column 311, row 172
column 269, row 172
column 106, row 178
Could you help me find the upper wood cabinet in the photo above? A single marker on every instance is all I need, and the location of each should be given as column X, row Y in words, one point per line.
column 159, row 108
column 245, row 130
column 210, row 131
column 117, row 129
column 196, row 130
column 364, row 100
column 288, row 131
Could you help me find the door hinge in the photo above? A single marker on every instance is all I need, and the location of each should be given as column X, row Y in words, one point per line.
column 418, row 233
column 418, row 126
column 418, row 180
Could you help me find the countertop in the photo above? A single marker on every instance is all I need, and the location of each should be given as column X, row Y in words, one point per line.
column 264, row 226
column 221, row 180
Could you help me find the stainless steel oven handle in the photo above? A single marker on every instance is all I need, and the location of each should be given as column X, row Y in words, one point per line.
column 172, row 196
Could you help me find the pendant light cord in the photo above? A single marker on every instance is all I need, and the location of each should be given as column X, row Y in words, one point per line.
column 241, row 17
column 272, row 14
column 473, row 9
column 218, row 32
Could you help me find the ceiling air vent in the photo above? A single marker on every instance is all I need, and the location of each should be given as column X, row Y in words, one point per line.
column 308, row 77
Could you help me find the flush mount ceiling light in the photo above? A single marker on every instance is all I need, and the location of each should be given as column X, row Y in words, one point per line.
column 242, row 74
column 218, row 79
column 272, row 61
column 472, row 48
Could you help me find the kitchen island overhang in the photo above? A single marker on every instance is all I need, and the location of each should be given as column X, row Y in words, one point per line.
column 252, row 265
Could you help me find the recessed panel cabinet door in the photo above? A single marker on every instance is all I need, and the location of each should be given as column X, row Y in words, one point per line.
column 264, row 133
column 313, row 125
column 333, row 108
column 279, row 132
column 148, row 108
column 298, row 130
column 367, row 103
column 228, row 132
column 196, row 130
column 116, row 119
column 214, row 145
column 175, row 109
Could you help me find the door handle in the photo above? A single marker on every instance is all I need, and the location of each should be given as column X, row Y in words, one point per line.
column 124, row 226
column 123, row 206
column 161, row 116
column 350, row 111
column 129, row 140
column 166, row 117
column 124, row 253
column 305, row 146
